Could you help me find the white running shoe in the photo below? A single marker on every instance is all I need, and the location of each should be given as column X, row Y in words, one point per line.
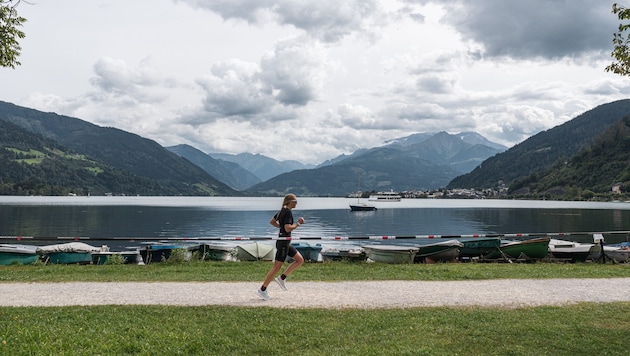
column 281, row 282
column 263, row 294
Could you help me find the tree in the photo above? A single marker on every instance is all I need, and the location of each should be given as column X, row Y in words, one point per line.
column 621, row 40
column 9, row 33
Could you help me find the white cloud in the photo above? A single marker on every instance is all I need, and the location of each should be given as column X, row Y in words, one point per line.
column 321, row 77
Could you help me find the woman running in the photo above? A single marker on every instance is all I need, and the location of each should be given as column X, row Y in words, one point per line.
column 283, row 220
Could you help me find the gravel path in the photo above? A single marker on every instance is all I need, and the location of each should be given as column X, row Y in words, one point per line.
column 356, row 294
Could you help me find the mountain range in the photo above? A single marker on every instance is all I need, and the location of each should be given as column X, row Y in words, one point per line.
column 416, row 162
column 46, row 153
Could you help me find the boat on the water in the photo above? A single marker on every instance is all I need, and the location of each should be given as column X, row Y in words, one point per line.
column 68, row 253
column 390, row 196
column 254, row 251
column 573, row 251
column 17, row 254
column 527, row 249
column 362, row 207
column 441, row 251
column 391, row 253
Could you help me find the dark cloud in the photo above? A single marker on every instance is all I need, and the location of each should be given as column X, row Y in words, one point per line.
column 533, row 28
column 326, row 20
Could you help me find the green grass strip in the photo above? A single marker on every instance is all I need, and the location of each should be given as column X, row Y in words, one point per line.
column 584, row 329
column 204, row 271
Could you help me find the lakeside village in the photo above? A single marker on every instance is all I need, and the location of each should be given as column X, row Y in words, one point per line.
column 499, row 192
column 502, row 191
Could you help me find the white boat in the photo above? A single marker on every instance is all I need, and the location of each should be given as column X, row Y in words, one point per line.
column 391, row 253
column 385, row 196
column 575, row 251
column 254, row 251
column 344, row 253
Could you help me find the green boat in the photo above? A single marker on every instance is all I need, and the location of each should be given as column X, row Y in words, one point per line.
column 478, row 246
column 11, row 254
column 528, row 249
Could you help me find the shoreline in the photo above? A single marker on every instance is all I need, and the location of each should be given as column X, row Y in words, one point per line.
column 500, row 293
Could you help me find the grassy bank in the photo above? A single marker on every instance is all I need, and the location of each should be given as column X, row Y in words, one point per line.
column 585, row 328
column 334, row 271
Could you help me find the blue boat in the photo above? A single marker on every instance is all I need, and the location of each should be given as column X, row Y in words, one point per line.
column 68, row 253
column 310, row 252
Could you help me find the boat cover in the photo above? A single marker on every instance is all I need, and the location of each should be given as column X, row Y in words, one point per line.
column 16, row 248
column 79, row 247
column 255, row 251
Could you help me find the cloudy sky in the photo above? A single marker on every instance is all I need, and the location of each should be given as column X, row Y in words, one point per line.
column 311, row 79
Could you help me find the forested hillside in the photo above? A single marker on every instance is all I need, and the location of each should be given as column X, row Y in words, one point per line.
column 34, row 165
column 591, row 173
column 543, row 150
column 126, row 152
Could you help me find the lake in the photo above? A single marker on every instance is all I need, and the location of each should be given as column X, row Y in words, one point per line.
column 212, row 217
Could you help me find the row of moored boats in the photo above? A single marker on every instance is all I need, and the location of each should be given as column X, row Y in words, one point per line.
column 417, row 251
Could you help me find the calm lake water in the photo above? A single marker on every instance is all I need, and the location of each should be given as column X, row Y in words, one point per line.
column 198, row 217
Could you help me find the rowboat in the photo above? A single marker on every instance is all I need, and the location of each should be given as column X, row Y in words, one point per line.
column 68, row 253
column 573, row 251
column 442, row 251
column 310, row 252
column 217, row 250
column 254, row 251
column 478, row 246
column 391, row 253
column 17, row 254
column 161, row 251
column 527, row 249
column 617, row 254
column 344, row 253
column 101, row 257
